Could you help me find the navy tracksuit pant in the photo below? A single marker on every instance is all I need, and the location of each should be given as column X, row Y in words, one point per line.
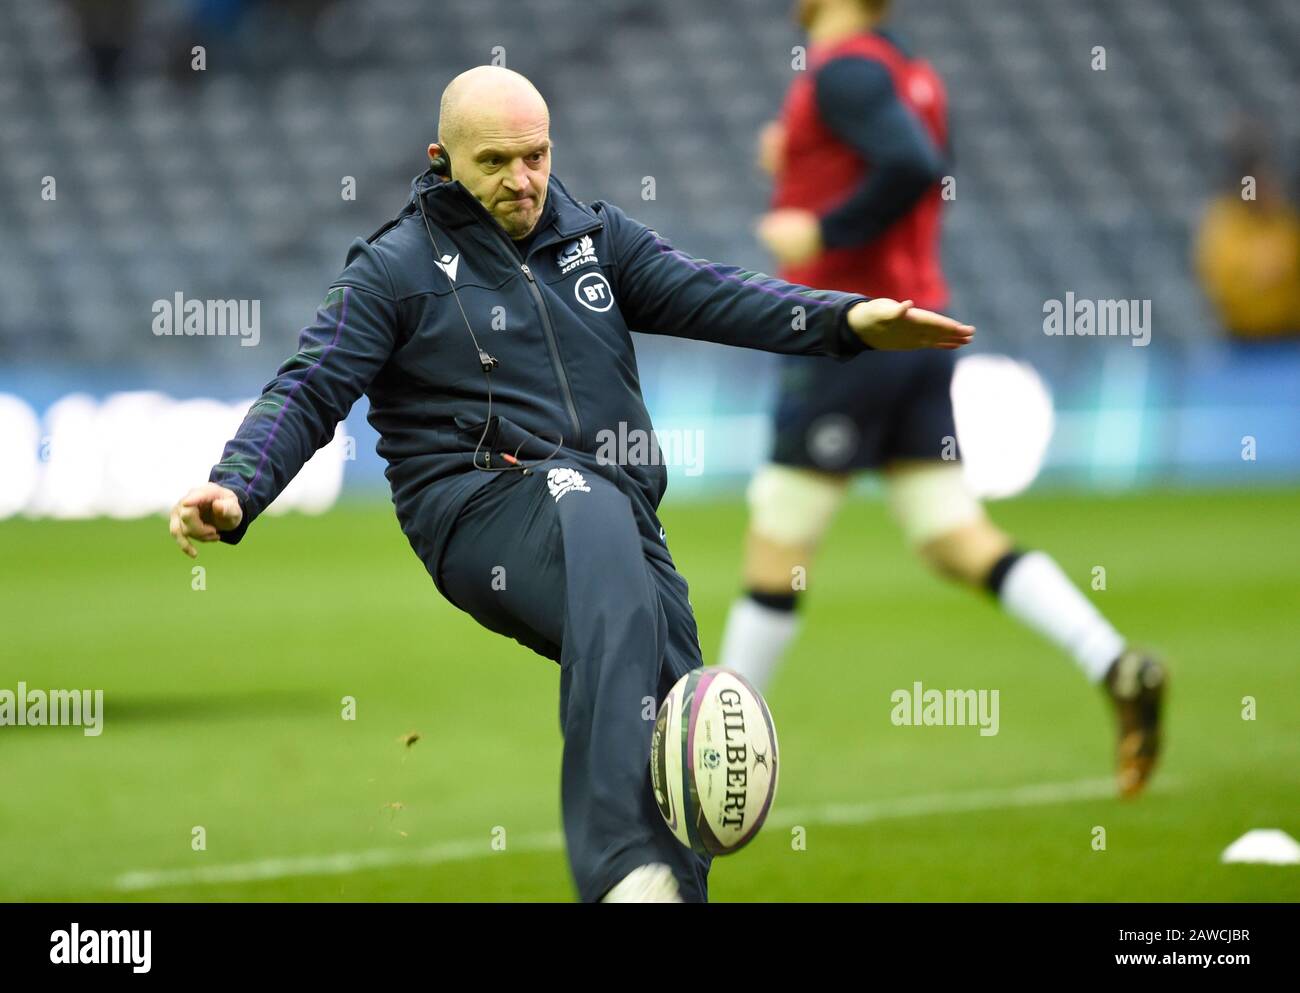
column 575, row 570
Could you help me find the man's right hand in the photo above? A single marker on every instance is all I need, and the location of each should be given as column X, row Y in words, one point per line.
column 202, row 514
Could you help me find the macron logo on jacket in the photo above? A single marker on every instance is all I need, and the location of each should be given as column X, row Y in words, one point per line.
column 448, row 264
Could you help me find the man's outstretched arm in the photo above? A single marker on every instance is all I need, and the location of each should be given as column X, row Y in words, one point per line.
column 338, row 355
column 664, row 291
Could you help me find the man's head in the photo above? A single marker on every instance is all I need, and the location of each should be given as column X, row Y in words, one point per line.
column 495, row 129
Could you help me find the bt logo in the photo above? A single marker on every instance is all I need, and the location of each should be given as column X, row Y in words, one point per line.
column 593, row 292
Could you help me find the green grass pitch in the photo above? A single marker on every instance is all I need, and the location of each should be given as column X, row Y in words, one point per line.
column 223, row 711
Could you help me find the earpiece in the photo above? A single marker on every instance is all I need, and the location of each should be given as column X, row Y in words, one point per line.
column 441, row 163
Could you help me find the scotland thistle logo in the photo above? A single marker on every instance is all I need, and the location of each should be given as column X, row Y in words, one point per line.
column 576, row 253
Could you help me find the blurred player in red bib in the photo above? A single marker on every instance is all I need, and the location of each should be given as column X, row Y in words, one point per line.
column 859, row 159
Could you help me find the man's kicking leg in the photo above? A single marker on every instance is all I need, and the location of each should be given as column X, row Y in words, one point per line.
column 572, row 581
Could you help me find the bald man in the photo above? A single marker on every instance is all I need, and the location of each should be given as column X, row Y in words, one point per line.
column 489, row 324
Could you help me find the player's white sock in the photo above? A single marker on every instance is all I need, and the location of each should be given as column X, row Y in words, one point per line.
column 755, row 640
column 1037, row 593
column 653, row 883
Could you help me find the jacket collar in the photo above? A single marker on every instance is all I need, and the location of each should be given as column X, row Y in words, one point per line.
column 452, row 206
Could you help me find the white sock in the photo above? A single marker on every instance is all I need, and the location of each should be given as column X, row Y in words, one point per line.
column 755, row 640
column 653, row 883
column 1038, row 594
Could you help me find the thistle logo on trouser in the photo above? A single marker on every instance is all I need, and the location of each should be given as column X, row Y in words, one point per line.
column 562, row 480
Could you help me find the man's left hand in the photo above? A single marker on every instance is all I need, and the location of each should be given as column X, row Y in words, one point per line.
column 887, row 325
column 794, row 236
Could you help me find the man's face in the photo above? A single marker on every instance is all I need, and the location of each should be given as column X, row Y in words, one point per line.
column 506, row 168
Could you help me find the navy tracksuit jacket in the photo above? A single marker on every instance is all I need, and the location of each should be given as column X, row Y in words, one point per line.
column 595, row 587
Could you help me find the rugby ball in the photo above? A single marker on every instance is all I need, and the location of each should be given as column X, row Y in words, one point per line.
column 713, row 761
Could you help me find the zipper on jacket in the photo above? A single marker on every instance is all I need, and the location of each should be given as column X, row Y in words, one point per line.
column 554, row 348
column 552, row 344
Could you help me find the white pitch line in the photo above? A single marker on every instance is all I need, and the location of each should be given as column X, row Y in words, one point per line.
column 341, row 863
column 337, row 864
column 1038, row 795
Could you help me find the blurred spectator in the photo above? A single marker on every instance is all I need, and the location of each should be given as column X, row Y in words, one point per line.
column 1248, row 246
column 248, row 36
column 213, row 24
column 107, row 30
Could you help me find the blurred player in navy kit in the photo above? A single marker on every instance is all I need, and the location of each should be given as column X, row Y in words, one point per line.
column 858, row 158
